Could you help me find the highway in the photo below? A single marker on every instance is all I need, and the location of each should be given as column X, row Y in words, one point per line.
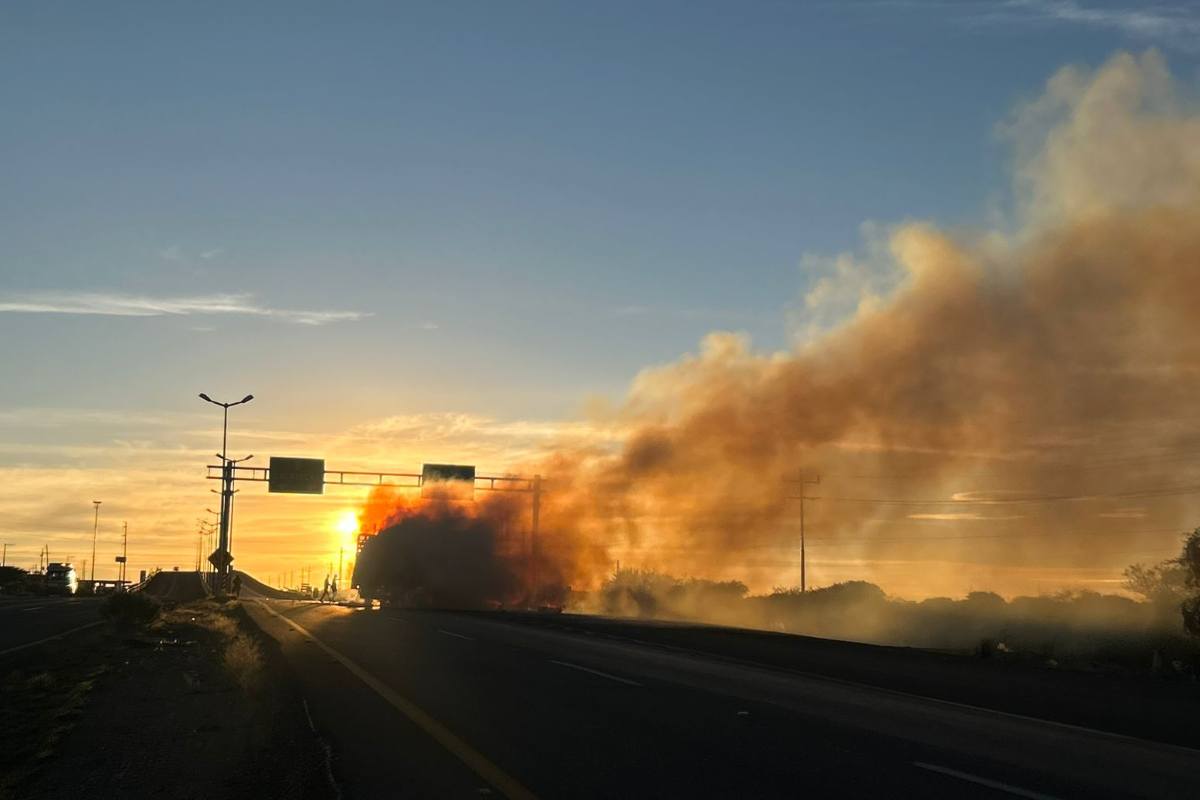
column 26, row 622
column 424, row 703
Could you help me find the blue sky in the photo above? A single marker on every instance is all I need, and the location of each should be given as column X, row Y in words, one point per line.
column 360, row 210
column 567, row 193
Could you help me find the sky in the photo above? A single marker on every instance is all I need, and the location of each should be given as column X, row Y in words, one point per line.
column 446, row 231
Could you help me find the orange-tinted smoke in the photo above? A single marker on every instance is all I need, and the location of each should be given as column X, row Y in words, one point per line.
column 1008, row 365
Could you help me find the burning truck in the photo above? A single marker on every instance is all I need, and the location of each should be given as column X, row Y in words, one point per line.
column 445, row 548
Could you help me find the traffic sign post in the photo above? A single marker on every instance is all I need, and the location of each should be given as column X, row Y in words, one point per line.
column 221, row 559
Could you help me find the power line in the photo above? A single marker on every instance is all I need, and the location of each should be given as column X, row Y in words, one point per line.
column 1082, row 461
column 1166, row 491
column 828, row 540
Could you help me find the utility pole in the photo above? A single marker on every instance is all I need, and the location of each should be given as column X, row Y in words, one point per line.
column 124, row 550
column 804, row 481
column 95, row 531
column 4, row 556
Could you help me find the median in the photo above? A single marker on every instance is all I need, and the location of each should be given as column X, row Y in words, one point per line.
column 190, row 701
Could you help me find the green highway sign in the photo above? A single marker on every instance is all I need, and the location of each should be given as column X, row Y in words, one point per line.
column 447, row 472
column 296, row 475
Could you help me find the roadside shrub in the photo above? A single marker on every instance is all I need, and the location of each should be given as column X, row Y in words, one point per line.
column 131, row 608
column 244, row 661
column 14, row 580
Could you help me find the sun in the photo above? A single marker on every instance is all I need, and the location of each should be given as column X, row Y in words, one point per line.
column 347, row 528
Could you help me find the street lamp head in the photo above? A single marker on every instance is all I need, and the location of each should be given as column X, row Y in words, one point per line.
column 203, row 396
column 96, row 502
column 247, row 398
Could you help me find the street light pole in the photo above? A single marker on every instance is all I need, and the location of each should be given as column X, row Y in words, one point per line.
column 226, row 485
column 95, row 532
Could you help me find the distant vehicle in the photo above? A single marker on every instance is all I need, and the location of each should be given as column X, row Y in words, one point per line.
column 60, row 579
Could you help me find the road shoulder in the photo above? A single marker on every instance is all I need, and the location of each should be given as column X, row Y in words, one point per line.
column 197, row 706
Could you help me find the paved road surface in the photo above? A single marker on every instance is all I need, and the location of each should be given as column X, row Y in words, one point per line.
column 26, row 620
column 452, row 705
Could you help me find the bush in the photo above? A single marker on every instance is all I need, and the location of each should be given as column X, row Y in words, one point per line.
column 14, row 579
column 244, row 660
column 131, row 608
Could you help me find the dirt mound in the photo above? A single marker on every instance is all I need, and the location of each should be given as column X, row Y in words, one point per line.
column 252, row 587
column 179, row 587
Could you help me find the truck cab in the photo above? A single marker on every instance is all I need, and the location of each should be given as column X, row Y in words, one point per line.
column 60, row 579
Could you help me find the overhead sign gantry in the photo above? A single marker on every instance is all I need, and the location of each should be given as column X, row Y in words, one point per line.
column 310, row 476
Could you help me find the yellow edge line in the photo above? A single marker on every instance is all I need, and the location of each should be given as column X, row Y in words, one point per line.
column 50, row 638
column 436, row 730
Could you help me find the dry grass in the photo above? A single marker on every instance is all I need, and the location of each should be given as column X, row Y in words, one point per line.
column 241, row 654
column 38, row 709
column 244, row 660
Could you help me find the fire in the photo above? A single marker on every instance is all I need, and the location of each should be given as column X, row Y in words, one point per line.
column 446, row 547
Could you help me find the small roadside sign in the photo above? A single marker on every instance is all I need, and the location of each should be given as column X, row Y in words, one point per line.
column 220, row 558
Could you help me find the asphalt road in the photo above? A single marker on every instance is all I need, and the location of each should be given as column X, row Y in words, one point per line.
column 455, row 705
column 26, row 622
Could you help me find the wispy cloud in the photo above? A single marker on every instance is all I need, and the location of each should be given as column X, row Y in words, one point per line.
column 712, row 314
column 120, row 305
column 1174, row 24
column 956, row 517
column 1125, row 513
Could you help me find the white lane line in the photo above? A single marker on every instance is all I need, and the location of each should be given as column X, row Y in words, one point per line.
column 452, row 633
column 328, row 751
column 485, row 769
column 616, row 678
column 34, row 608
column 988, row 782
column 50, row 638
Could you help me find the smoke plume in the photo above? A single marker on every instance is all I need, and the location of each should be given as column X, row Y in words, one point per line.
column 1015, row 398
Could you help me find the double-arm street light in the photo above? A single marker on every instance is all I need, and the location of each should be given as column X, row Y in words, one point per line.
column 225, row 407
column 226, row 485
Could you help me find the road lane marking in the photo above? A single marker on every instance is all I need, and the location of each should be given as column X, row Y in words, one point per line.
column 452, row 633
column 326, row 749
column 51, row 638
column 988, row 782
column 33, row 608
column 616, row 678
column 475, row 760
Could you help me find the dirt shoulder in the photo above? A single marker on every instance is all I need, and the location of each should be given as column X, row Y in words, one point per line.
column 197, row 705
